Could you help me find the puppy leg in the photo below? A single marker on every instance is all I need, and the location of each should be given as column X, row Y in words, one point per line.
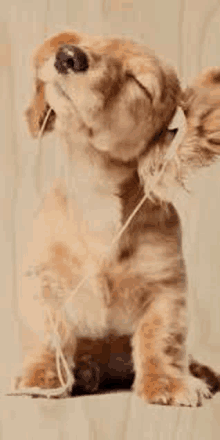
column 41, row 370
column 160, row 357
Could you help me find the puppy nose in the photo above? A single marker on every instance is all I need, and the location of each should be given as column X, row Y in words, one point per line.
column 72, row 58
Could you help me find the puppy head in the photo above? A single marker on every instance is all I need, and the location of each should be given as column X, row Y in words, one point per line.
column 113, row 92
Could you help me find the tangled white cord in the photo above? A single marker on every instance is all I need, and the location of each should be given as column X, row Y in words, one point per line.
column 60, row 358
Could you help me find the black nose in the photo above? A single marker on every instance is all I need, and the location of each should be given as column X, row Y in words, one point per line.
column 72, row 58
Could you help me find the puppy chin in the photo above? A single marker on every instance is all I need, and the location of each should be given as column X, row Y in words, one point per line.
column 118, row 152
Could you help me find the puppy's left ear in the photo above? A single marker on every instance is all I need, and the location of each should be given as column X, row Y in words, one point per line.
column 161, row 84
column 38, row 110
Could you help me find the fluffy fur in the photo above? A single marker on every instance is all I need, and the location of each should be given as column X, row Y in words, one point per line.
column 112, row 118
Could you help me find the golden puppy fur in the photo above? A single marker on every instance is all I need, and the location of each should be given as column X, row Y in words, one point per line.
column 112, row 101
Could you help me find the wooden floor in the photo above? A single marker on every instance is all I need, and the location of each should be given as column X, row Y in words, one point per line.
column 187, row 33
column 114, row 416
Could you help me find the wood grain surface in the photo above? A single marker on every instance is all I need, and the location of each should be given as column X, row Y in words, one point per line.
column 186, row 33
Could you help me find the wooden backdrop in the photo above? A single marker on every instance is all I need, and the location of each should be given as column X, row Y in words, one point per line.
column 187, row 33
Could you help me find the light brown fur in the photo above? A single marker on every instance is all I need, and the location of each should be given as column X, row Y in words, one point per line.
column 111, row 118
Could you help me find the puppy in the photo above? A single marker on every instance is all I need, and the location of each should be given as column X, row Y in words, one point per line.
column 111, row 103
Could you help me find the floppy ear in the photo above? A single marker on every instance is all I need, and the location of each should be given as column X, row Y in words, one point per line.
column 200, row 143
column 161, row 84
column 37, row 111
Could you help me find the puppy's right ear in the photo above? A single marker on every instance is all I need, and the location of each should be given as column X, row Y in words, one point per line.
column 38, row 110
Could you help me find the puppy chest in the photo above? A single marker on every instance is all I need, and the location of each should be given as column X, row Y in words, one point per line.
column 98, row 219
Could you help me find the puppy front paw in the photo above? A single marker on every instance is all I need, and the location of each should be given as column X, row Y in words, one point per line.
column 41, row 374
column 166, row 390
column 192, row 393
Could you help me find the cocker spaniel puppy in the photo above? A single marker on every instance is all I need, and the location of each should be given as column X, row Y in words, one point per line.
column 111, row 102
